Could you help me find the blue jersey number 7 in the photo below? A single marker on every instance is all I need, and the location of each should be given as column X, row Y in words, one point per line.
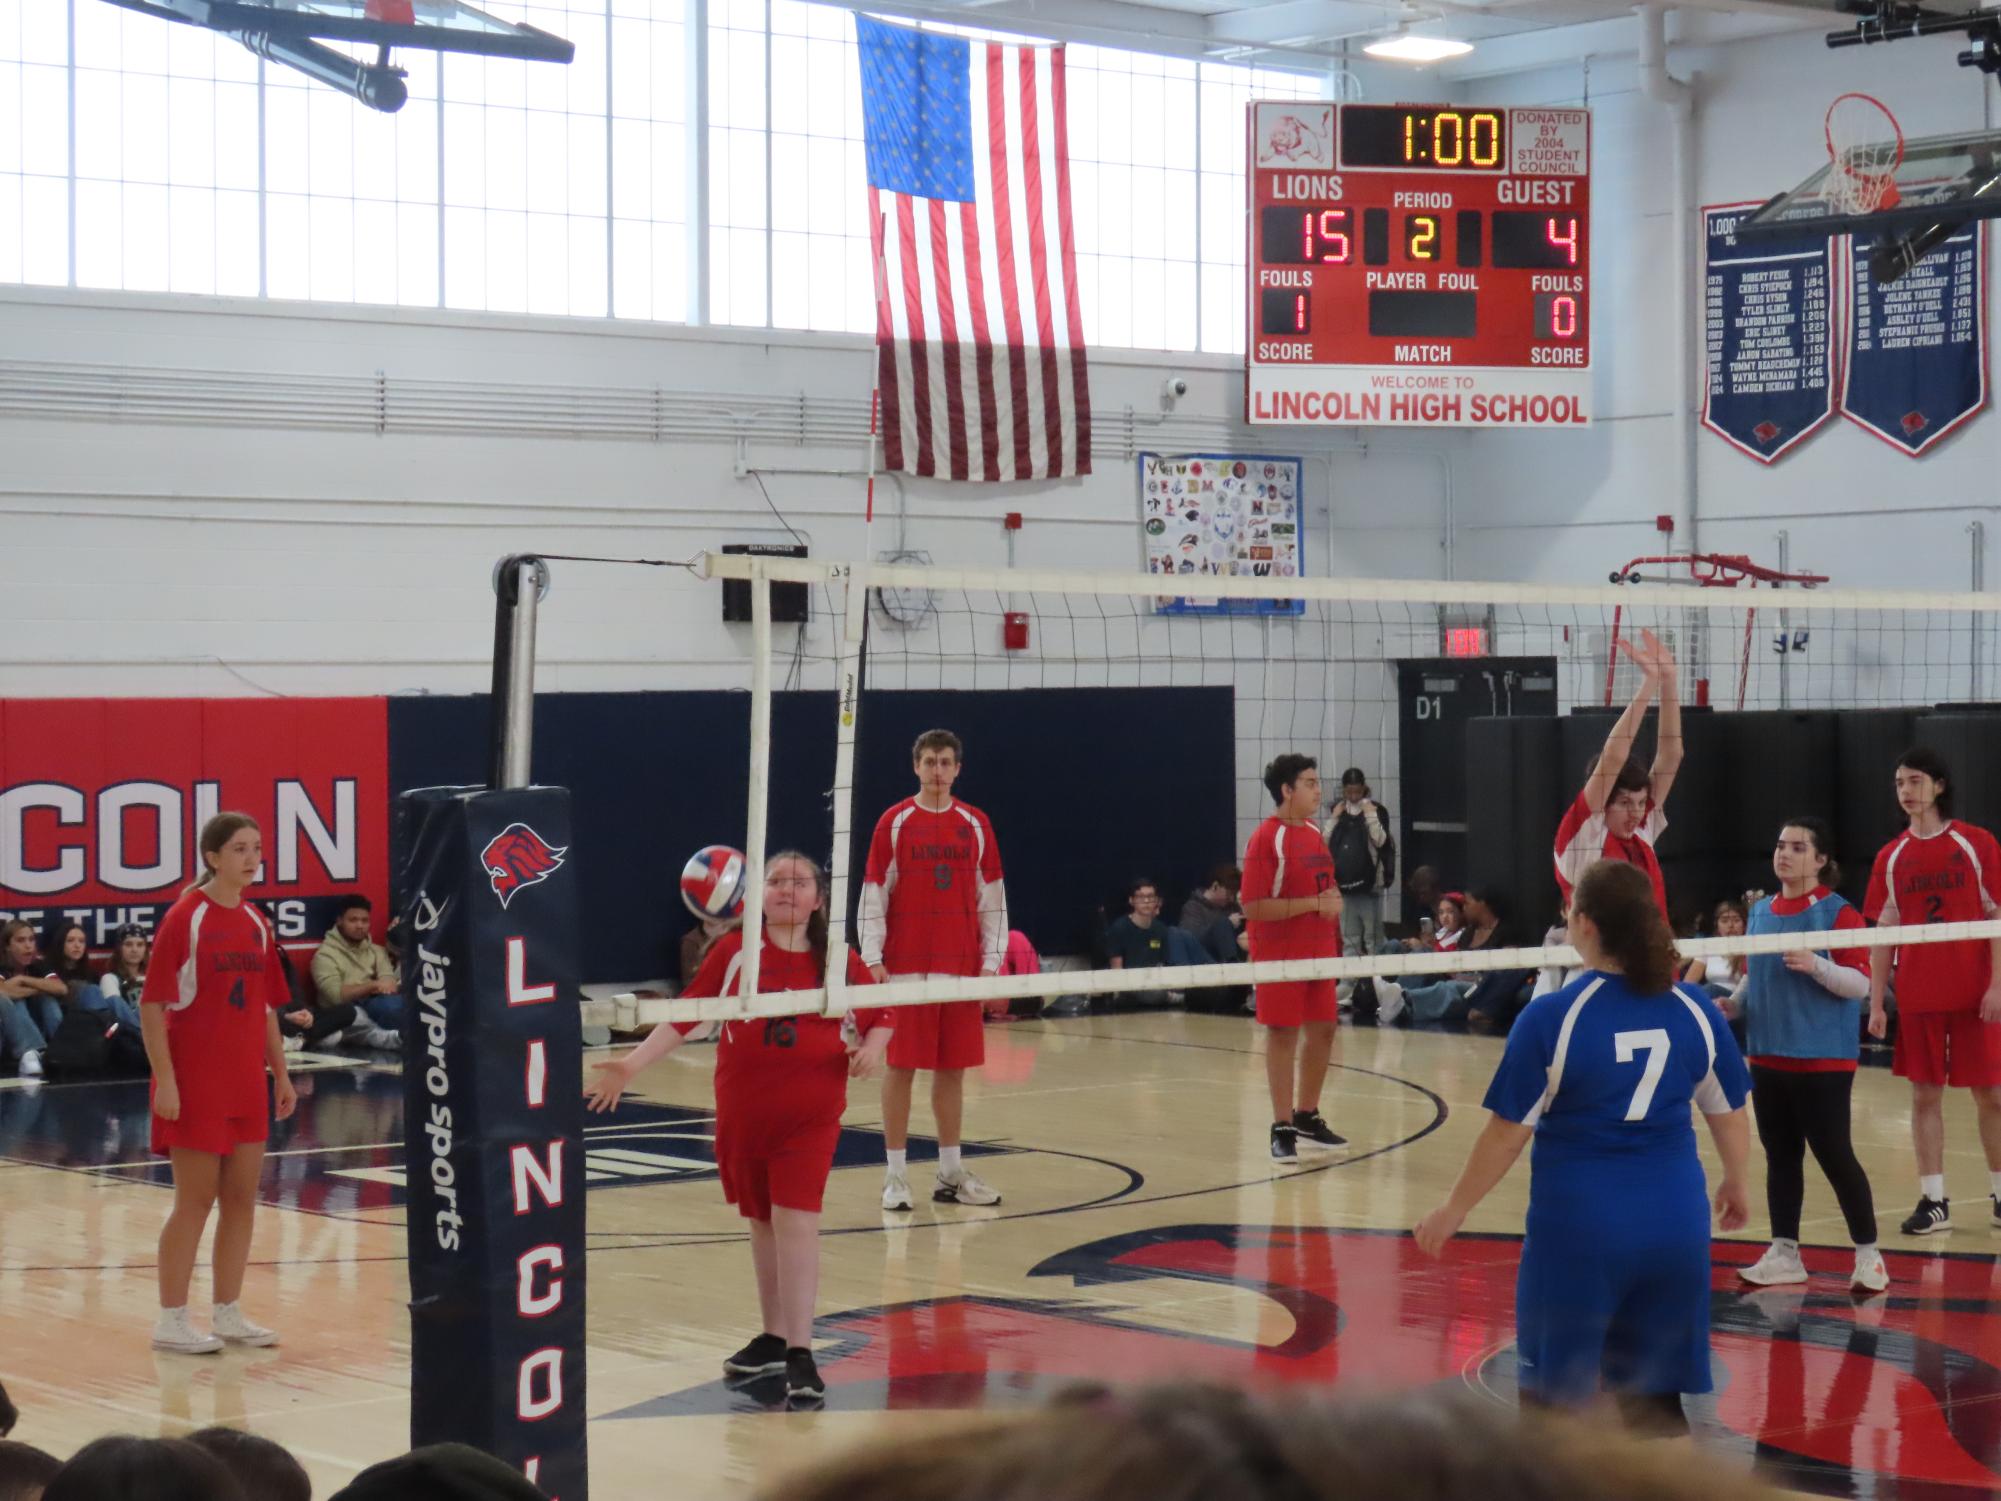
column 1654, row 1042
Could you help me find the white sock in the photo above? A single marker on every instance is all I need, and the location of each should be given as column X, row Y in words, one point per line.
column 1932, row 1186
column 225, row 1308
column 948, row 1162
column 1994, row 1184
column 1867, row 1256
column 899, row 1162
column 1788, row 1247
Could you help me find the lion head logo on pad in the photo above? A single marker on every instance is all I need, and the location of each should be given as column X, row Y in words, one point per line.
column 518, row 857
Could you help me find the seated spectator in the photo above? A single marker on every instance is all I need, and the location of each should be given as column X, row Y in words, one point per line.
column 30, row 979
column 1454, row 996
column 1448, row 926
column 349, row 969
column 1139, row 939
column 1422, row 889
column 266, row 1471
column 448, row 1472
column 1720, row 975
column 123, row 1468
column 1213, row 919
column 1019, row 959
column 124, row 978
column 309, row 1024
column 1225, row 1443
column 69, row 950
column 25, row 1471
column 698, row 940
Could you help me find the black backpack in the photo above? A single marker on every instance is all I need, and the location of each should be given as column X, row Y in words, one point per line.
column 90, row 1046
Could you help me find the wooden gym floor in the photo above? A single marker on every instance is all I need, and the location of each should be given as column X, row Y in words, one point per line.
column 1143, row 1233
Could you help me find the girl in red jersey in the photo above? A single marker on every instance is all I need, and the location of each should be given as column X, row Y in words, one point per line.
column 1948, row 994
column 209, row 1014
column 781, row 1085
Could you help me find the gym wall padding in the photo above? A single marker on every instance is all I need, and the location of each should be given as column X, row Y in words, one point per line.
column 1084, row 787
column 1742, row 776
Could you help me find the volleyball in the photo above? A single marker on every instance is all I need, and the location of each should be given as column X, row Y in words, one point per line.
column 712, row 882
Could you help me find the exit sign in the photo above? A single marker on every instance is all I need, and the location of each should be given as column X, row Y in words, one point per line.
column 1466, row 641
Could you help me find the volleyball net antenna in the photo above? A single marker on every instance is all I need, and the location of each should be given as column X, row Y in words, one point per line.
column 1062, row 682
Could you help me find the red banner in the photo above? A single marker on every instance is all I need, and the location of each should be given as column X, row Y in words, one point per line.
column 102, row 800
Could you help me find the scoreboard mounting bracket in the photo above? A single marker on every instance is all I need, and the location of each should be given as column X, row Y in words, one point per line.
column 1418, row 265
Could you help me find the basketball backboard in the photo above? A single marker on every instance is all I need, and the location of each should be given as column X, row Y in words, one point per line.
column 295, row 32
column 1942, row 182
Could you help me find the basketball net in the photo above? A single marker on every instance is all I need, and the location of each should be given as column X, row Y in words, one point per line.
column 1862, row 177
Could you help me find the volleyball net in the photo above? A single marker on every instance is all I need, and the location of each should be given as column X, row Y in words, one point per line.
column 1113, row 732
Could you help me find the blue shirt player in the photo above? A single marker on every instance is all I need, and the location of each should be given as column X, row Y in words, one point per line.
column 1613, row 1290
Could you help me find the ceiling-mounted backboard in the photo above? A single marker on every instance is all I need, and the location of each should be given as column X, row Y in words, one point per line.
column 296, row 33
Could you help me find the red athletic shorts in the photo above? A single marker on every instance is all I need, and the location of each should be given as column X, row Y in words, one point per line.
column 218, row 1135
column 935, row 1037
column 791, row 1174
column 776, row 1130
column 1293, row 1003
column 1948, row 1047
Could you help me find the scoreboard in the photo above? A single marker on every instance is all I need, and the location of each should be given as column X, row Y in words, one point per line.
column 1419, row 265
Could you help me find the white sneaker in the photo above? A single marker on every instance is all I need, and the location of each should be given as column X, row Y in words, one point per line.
column 1870, row 1276
column 231, row 1325
column 964, row 1189
column 175, row 1332
column 1777, row 1266
column 896, row 1191
column 380, row 1039
column 295, row 1044
column 332, row 1039
column 31, row 1065
column 1389, row 1002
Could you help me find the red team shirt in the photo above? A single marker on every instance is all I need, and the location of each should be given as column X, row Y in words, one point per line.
column 932, row 902
column 1953, row 876
column 1582, row 840
column 1289, row 860
column 781, row 1081
column 215, row 971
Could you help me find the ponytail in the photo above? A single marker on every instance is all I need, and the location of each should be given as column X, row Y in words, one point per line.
column 215, row 834
column 1619, row 900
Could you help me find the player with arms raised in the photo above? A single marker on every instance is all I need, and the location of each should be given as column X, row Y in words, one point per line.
column 1292, row 910
column 932, row 905
column 1948, row 994
column 1619, row 814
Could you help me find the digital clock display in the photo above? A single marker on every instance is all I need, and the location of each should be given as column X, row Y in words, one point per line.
column 1418, row 265
column 1423, row 137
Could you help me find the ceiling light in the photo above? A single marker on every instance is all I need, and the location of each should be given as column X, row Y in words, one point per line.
column 1405, row 48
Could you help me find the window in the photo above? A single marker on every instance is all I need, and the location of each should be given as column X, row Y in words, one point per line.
column 533, row 188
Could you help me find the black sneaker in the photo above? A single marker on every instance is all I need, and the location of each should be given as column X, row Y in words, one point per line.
column 1995, row 1221
column 1312, row 1126
column 1930, row 1217
column 760, row 1357
column 1284, row 1143
column 802, row 1377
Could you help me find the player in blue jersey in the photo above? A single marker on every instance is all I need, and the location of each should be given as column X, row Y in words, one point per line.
column 1614, row 1282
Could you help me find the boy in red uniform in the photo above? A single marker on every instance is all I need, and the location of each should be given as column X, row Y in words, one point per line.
column 1292, row 910
column 932, row 905
column 1948, row 994
column 209, row 1016
column 781, row 1085
column 1619, row 814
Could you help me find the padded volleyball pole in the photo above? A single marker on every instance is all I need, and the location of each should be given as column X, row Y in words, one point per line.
column 493, row 1114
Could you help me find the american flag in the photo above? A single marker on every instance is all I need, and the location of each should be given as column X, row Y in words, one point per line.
column 979, row 337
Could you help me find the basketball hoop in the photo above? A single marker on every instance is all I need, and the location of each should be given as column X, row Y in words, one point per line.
column 1863, row 161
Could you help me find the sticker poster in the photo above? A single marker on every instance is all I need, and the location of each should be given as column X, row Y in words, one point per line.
column 1768, row 327
column 1210, row 515
column 1917, row 346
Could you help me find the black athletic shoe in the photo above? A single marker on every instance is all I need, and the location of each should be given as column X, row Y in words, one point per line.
column 1284, row 1144
column 1312, row 1126
column 1930, row 1217
column 760, row 1357
column 802, row 1377
column 1995, row 1221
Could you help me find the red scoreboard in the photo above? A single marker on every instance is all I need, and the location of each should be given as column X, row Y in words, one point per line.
column 1419, row 265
